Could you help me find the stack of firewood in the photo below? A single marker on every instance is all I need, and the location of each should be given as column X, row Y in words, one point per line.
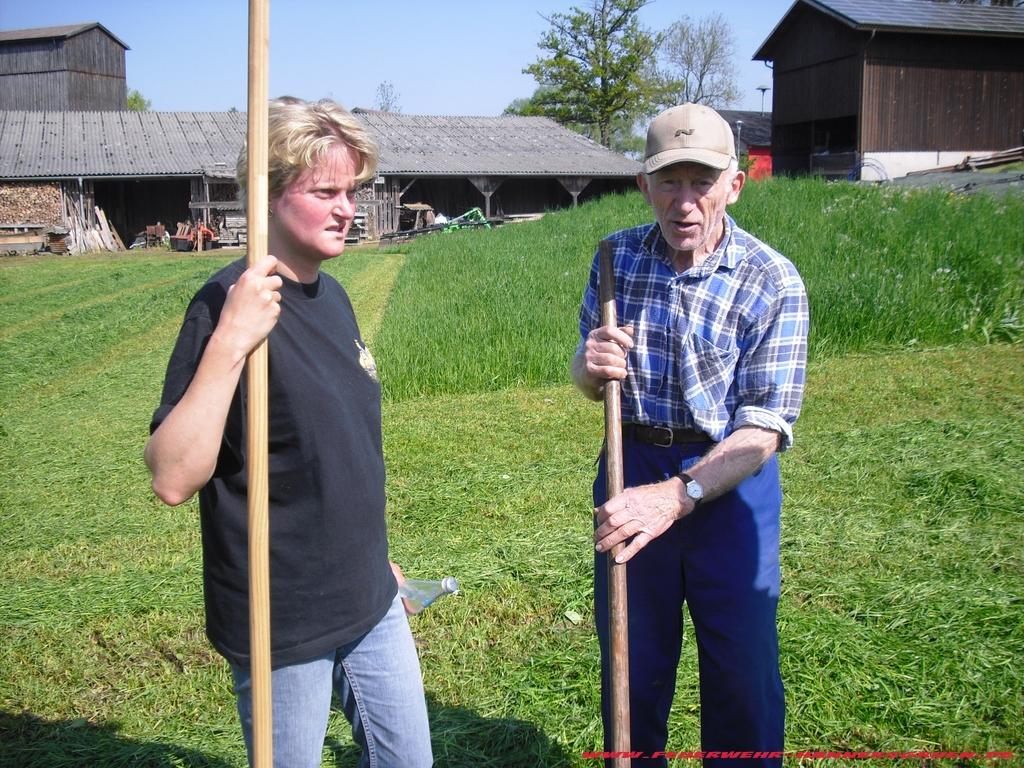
column 83, row 237
column 29, row 202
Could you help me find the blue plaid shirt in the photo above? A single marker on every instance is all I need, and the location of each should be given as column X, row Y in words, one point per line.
column 719, row 346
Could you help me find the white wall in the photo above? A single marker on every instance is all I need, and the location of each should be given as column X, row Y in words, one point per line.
column 877, row 166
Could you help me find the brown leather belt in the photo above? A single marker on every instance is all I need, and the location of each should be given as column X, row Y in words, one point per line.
column 663, row 437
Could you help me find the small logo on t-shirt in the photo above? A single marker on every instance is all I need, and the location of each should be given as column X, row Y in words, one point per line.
column 366, row 360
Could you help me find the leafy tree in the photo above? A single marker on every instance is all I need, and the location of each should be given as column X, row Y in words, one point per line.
column 137, row 102
column 387, row 97
column 626, row 140
column 699, row 60
column 598, row 68
column 524, row 105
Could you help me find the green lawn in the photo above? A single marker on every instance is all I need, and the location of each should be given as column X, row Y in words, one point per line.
column 901, row 617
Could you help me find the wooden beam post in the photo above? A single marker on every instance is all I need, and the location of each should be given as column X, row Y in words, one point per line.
column 486, row 186
column 574, row 185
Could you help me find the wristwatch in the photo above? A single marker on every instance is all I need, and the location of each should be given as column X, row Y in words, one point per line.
column 693, row 489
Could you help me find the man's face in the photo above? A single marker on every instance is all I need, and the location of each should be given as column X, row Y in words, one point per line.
column 689, row 203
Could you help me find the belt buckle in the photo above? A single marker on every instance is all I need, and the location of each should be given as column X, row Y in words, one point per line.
column 664, row 431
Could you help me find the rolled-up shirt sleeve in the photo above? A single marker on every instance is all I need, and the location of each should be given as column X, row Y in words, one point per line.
column 771, row 371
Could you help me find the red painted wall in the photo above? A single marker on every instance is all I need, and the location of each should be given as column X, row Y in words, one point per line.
column 760, row 163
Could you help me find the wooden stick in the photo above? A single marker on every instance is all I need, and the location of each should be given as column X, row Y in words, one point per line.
column 618, row 615
column 256, row 380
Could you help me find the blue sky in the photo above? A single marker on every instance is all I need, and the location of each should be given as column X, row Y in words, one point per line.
column 450, row 57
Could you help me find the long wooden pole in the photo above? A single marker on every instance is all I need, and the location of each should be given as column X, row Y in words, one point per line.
column 256, row 379
column 618, row 615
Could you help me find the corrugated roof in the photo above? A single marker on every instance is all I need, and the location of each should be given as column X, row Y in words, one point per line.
column 915, row 16
column 50, row 33
column 71, row 144
column 426, row 145
column 925, row 16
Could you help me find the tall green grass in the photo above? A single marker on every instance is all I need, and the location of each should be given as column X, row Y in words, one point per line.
column 481, row 311
column 900, row 618
column 886, row 267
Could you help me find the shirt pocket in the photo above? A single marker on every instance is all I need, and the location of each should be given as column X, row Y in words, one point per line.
column 707, row 373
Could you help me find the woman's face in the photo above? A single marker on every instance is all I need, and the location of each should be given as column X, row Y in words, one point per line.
column 312, row 216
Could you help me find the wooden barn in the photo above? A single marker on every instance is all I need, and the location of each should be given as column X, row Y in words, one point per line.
column 141, row 168
column 74, row 67
column 875, row 89
column 506, row 166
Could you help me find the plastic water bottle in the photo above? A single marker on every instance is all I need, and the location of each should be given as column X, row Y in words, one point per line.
column 420, row 593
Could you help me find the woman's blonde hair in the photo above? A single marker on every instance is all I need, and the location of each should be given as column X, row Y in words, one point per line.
column 300, row 133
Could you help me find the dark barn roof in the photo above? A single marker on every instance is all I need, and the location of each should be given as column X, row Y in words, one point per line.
column 36, row 145
column 56, row 33
column 757, row 126
column 913, row 16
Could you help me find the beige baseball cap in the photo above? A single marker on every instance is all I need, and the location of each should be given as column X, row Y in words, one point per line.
column 689, row 133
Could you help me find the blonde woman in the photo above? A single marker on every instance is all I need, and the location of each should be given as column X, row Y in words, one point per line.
column 338, row 625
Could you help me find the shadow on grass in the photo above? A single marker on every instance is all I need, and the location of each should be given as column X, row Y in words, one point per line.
column 463, row 739
column 28, row 741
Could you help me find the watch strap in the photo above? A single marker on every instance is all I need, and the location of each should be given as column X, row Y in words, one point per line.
column 687, row 479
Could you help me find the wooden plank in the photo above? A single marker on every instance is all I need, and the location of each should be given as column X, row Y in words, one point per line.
column 103, row 229
column 20, row 239
column 117, row 240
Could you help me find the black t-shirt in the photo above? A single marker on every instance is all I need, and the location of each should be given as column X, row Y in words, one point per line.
column 329, row 575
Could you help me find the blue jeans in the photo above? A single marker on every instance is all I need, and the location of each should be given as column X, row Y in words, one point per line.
column 723, row 561
column 376, row 679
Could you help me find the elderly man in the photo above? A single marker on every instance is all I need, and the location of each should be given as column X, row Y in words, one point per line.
column 711, row 354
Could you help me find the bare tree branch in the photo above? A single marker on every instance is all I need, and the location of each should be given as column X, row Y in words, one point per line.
column 699, row 60
column 387, row 97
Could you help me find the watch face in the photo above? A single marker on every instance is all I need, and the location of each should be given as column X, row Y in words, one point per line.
column 694, row 490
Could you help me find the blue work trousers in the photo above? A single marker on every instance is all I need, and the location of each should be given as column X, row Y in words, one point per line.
column 723, row 561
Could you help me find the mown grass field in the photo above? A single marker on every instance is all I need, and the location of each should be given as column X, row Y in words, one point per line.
column 903, row 570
